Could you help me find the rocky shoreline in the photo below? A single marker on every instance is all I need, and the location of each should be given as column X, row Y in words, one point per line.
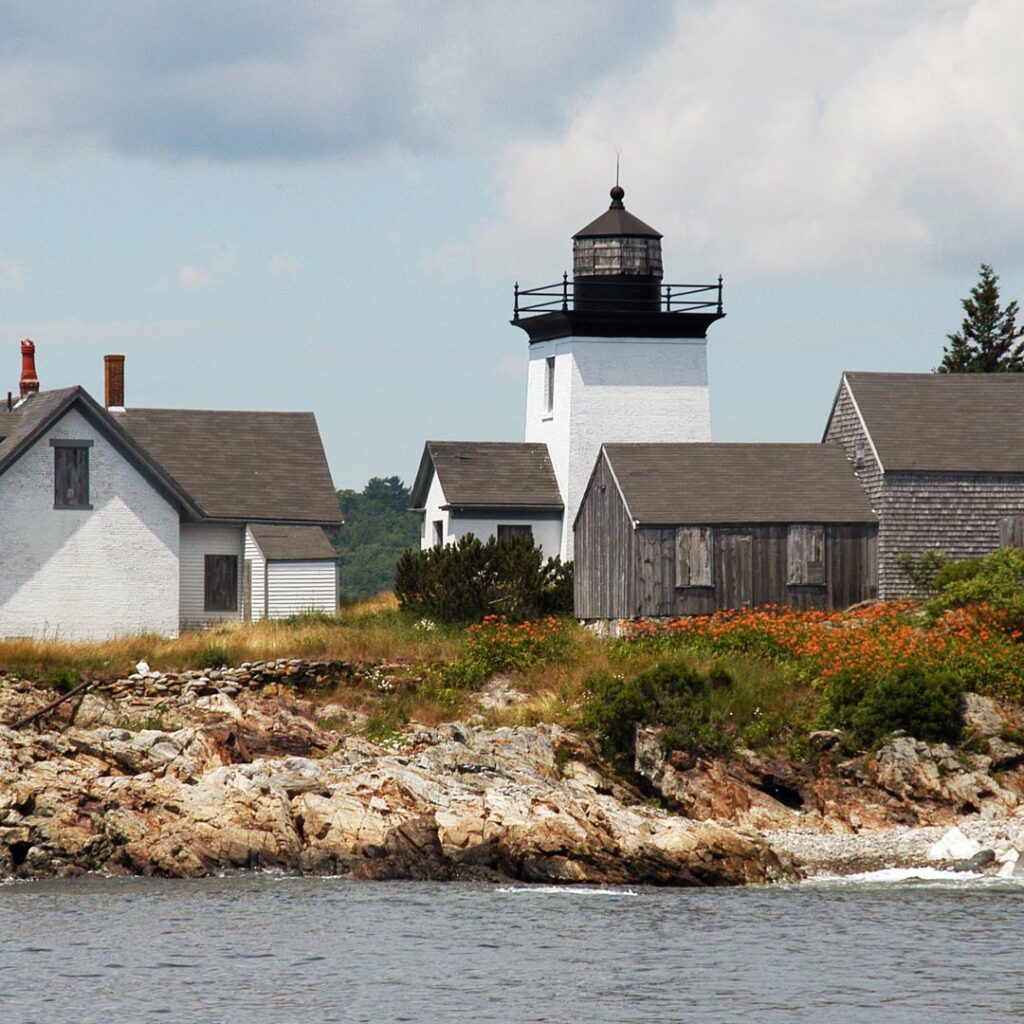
column 196, row 773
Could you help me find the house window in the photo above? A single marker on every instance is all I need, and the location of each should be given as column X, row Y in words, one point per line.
column 506, row 531
column 549, row 384
column 694, row 556
column 438, row 533
column 221, row 583
column 70, row 473
column 805, row 556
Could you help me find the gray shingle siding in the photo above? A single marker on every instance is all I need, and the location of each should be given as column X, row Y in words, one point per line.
column 955, row 513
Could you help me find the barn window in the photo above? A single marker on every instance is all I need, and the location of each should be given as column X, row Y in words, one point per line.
column 506, row 531
column 221, row 583
column 805, row 551
column 70, row 473
column 549, row 384
column 1011, row 532
column 694, row 556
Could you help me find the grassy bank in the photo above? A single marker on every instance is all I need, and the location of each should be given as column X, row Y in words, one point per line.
column 761, row 678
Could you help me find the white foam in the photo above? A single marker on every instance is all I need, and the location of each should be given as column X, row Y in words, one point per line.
column 895, row 876
column 563, row 890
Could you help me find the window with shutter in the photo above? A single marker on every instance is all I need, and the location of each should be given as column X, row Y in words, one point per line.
column 70, row 473
column 805, row 550
column 221, row 583
column 694, row 560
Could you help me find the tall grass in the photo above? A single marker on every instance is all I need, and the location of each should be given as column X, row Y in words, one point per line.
column 374, row 630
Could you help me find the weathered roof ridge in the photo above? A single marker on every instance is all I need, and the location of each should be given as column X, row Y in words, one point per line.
column 737, row 482
column 943, row 422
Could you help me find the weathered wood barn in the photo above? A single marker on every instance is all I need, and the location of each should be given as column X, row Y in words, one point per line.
column 941, row 457
column 683, row 529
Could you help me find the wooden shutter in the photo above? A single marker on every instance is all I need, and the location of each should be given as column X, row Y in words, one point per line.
column 221, row 583
column 1011, row 532
column 694, row 556
column 805, row 556
column 71, row 474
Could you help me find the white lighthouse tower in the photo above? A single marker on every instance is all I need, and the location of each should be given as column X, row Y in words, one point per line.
column 616, row 355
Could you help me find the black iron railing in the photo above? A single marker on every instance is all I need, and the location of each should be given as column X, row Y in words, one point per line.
column 624, row 296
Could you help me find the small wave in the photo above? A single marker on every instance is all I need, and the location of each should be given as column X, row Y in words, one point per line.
column 563, row 890
column 897, row 876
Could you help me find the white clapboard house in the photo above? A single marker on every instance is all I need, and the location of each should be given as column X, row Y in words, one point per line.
column 616, row 355
column 117, row 521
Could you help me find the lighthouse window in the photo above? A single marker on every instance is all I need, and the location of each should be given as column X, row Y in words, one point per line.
column 549, row 384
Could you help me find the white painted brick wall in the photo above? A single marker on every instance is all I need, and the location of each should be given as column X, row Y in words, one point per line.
column 85, row 574
column 614, row 390
column 433, row 512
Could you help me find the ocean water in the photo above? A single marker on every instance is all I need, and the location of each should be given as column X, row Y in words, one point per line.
column 265, row 949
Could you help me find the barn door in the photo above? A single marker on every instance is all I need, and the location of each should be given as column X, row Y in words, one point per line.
column 736, row 570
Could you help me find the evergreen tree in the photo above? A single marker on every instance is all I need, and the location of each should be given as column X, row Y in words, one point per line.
column 989, row 340
column 378, row 528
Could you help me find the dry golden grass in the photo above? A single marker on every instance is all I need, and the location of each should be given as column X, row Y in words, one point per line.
column 373, row 630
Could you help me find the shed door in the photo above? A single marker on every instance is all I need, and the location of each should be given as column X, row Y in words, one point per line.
column 735, row 570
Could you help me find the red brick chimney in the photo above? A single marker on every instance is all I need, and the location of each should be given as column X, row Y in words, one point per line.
column 29, row 380
column 113, row 382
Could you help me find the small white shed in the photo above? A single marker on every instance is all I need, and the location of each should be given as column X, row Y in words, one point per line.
column 288, row 570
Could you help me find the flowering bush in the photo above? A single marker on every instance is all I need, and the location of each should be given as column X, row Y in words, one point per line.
column 496, row 644
column 977, row 645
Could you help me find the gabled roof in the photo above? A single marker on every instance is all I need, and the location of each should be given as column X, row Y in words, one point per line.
column 293, row 543
column 709, row 484
column 22, row 426
column 248, row 466
column 488, row 474
column 943, row 422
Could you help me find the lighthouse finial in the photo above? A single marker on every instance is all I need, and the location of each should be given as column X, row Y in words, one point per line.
column 618, row 192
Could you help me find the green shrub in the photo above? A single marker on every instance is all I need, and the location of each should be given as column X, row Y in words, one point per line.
column 923, row 569
column 924, row 704
column 997, row 581
column 671, row 695
column 465, row 581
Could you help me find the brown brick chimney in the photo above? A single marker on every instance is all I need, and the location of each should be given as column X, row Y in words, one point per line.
column 29, row 380
column 113, row 382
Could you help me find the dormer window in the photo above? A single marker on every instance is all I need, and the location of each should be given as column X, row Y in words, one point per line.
column 70, row 473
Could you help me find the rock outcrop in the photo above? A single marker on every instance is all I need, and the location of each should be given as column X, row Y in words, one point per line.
column 212, row 778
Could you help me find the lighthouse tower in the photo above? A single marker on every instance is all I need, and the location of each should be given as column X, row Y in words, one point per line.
column 616, row 354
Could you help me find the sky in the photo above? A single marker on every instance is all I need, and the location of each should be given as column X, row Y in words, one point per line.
column 324, row 206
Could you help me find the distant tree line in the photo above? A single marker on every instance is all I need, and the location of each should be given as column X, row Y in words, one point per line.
column 378, row 528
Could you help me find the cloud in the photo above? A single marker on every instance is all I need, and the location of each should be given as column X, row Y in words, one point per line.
column 220, row 260
column 194, row 277
column 237, row 80
column 283, row 264
column 785, row 139
column 12, row 276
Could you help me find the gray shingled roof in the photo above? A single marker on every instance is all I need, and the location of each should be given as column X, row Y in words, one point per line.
column 497, row 474
column 18, row 425
column 293, row 543
column 675, row 484
column 248, row 466
column 944, row 422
